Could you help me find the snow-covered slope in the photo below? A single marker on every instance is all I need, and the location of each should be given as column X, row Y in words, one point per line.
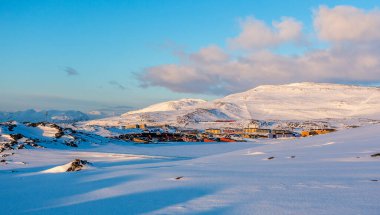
column 76, row 165
column 44, row 115
column 15, row 135
column 305, row 101
column 170, row 106
column 298, row 101
column 337, row 173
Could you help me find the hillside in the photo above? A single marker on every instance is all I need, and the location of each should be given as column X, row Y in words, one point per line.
column 169, row 106
column 305, row 101
column 298, row 101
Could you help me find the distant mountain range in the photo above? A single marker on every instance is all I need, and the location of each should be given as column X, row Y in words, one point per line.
column 56, row 116
column 297, row 101
column 61, row 116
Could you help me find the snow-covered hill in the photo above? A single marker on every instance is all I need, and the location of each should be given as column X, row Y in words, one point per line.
column 304, row 101
column 298, row 101
column 169, row 106
column 15, row 135
column 44, row 115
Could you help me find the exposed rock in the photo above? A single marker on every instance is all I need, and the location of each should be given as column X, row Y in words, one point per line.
column 6, row 155
column 77, row 165
column 11, row 127
column 59, row 134
column 16, row 136
column 71, row 144
column 375, row 155
column 69, row 131
column 35, row 145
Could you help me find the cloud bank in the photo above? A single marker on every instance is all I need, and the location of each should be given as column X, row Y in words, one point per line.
column 353, row 55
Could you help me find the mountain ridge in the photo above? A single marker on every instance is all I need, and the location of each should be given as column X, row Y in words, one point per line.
column 32, row 115
column 295, row 101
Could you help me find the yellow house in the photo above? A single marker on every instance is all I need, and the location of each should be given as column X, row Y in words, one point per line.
column 132, row 126
column 323, row 131
column 213, row 131
column 317, row 132
column 256, row 131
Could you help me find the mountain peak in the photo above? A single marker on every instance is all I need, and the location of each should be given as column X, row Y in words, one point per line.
column 173, row 105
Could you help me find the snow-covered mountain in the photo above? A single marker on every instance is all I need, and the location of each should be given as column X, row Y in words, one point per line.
column 169, row 106
column 297, row 101
column 44, row 115
column 303, row 101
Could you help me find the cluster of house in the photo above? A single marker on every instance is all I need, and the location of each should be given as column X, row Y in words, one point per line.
column 150, row 129
column 312, row 132
column 165, row 133
column 253, row 132
column 266, row 132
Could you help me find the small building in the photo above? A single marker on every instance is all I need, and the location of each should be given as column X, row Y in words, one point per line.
column 277, row 131
column 131, row 126
column 316, row 132
column 188, row 131
column 213, row 131
column 282, row 133
column 256, row 131
column 232, row 131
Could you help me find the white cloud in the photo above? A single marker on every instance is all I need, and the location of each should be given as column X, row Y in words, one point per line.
column 256, row 34
column 210, row 54
column 212, row 70
column 347, row 23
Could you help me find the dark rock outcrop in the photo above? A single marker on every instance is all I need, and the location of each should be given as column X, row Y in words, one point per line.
column 77, row 165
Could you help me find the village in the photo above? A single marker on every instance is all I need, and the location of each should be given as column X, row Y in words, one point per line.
column 142, row 133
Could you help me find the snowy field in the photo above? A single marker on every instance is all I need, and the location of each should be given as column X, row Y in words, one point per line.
column 327, row 174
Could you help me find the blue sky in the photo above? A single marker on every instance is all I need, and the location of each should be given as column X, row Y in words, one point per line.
column 109, row 43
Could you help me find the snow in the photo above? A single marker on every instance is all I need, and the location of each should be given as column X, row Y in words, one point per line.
column 169, row 106
column 43, row 115
column 48, row 131
column 297, row 101
column 308, row 101
column 325, row 174
column 5, row 138
column 40, row 132
column 58, row 169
